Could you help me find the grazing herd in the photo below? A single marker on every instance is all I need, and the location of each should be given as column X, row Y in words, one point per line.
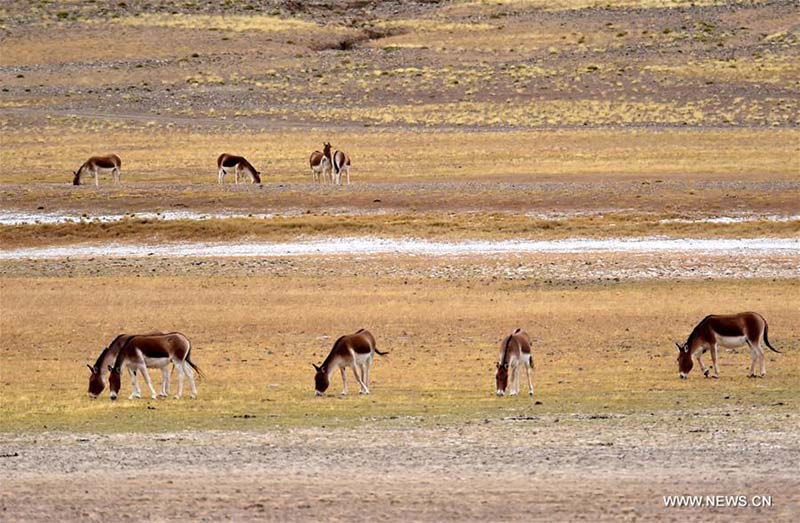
column 326, row 166
column 156, row 350
column 137, row 353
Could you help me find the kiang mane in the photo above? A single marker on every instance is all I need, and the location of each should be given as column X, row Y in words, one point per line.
column 695, row 331
column 100, row 358
column 332, row 352
column 121, row 354
column 505, row 349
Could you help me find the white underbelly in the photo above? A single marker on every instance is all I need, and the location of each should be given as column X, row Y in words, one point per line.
column 156, row 363
column 363, row 358
column 731, row 341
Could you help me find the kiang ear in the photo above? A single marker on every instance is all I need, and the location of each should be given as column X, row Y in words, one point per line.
column 318, row 369
column 90, row 368
column 680, row 349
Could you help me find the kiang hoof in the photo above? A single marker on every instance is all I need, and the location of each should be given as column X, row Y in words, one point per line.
column 706, row 372
column 193, row 397
column 134, row 396
column 530, row 393
column 163, row 395
column 177, row 396
column 751, row 375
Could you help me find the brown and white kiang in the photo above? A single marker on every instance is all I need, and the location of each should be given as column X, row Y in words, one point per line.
column 238, row 165
column 730, row 331
column 351, row 350
column 341, row 164
column 98, row 379
column 96, row 165
column 141, row 352
column 320, row 162
column 515, row 351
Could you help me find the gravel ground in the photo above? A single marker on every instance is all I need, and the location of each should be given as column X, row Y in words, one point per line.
column 543, row 268
column 514, row 469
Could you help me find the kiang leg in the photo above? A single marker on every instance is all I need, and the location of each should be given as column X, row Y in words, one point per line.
column 763, row 360
column 135, row 393
column 344, row 381
column 714, row 361
column 221, row 175
column 187, row 369
column 365, row 371
column 753, row 359
column 699, row 358
column 179, row 367
column 512, row 387
column 528, row 371
column 164, row 381
column 364, row 388
column 96, row 173
column 147, row 380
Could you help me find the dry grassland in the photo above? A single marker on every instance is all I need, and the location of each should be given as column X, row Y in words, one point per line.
column 598, row 349
column 464, row 120
column 165, row 153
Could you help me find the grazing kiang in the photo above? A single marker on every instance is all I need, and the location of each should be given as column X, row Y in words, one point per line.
column 98, row 379
column 96, row 165
column 238, row 165
column 515, row 351
column 154, row 351
column 731, row 330
column 351, row 350
column 341, row 165
column 320, row 162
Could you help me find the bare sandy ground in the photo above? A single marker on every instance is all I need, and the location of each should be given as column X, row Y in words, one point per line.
column 578, row 467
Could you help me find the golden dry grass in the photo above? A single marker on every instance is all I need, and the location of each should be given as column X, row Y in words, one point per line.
column 597, row 349
column 166, row 153
column 268, row 24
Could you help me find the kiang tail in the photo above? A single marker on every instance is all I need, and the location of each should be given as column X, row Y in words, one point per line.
column 379, row 352
column 766, row 339
column 194, row 367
